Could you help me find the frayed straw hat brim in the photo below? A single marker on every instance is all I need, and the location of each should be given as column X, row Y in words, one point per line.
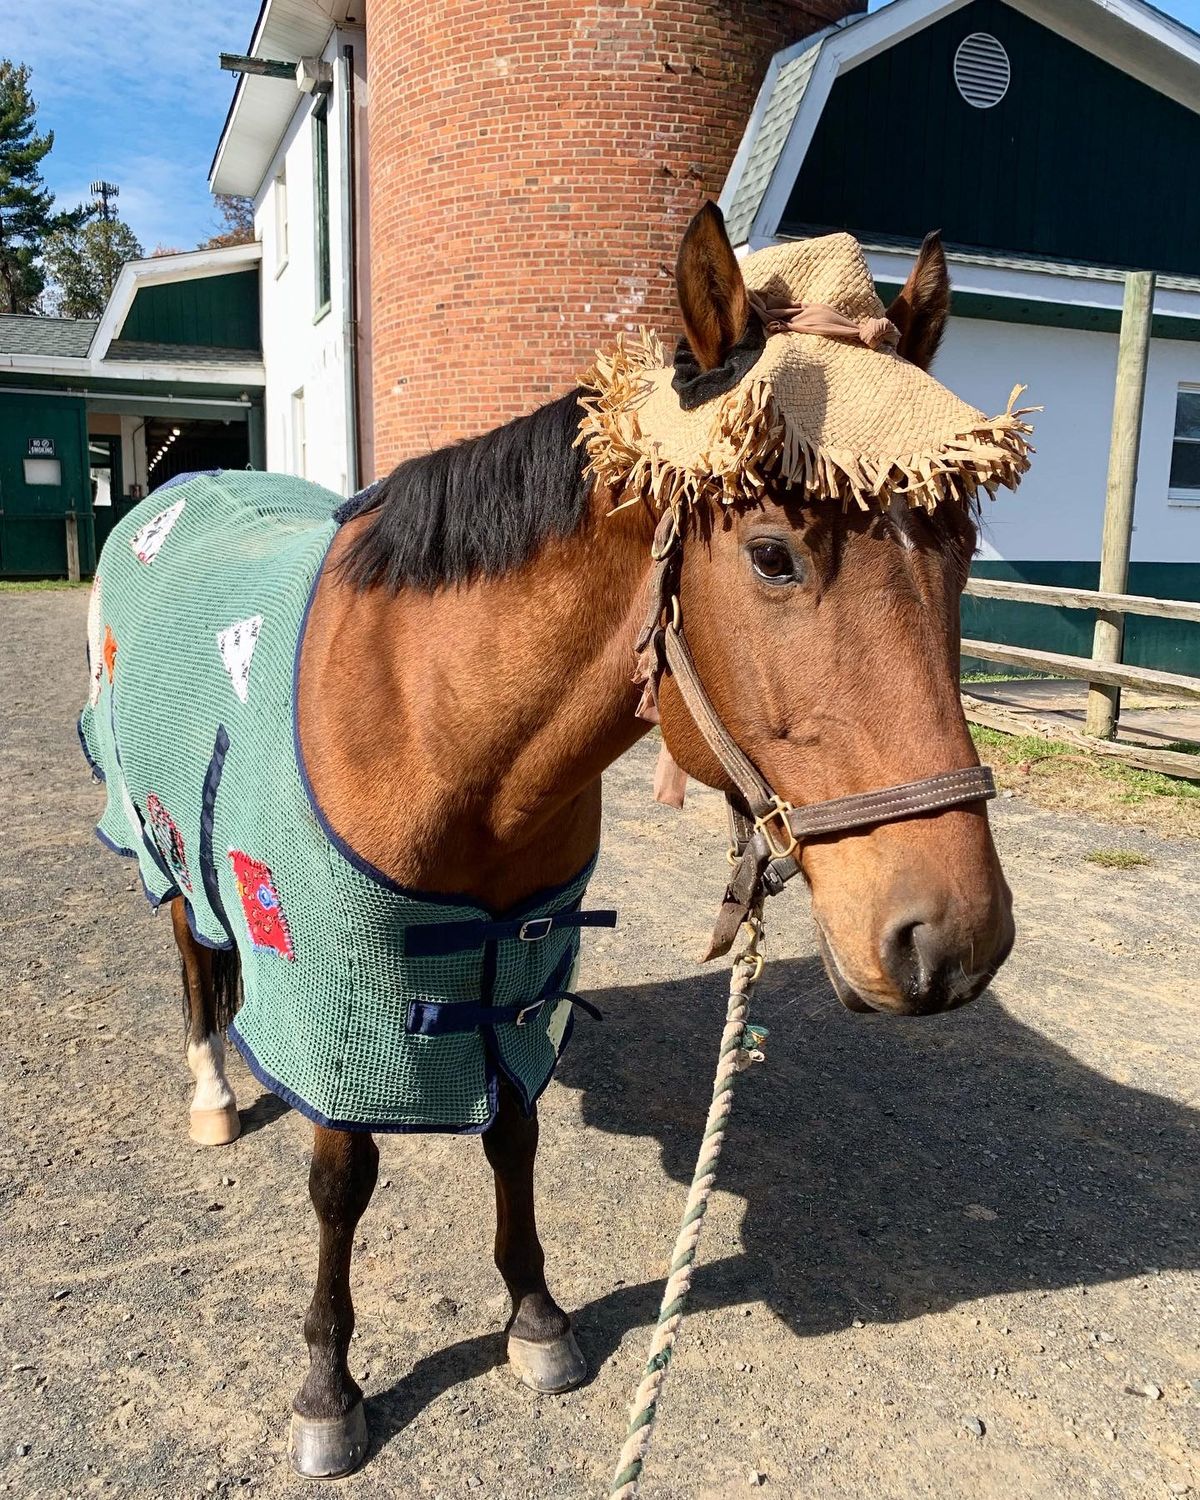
column 828, row 418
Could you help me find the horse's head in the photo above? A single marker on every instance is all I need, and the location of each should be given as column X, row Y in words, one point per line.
column 827, row 638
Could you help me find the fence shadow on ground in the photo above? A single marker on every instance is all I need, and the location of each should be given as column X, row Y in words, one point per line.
column 889, row 1168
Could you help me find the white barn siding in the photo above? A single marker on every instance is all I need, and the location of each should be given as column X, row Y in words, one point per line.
column 1057, row 512
column 303, row 356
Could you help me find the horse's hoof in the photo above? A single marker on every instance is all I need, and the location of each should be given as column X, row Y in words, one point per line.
column 215, row 1127
column 328, row 1447
column 548, row 1368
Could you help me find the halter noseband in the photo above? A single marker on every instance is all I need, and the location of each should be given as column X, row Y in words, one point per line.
column 765, row 831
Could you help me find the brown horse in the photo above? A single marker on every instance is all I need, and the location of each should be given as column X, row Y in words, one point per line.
column 466, row 678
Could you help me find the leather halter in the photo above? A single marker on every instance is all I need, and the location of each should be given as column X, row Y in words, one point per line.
column 765, row 831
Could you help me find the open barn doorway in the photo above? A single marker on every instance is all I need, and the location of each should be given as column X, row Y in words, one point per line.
column 188, row 445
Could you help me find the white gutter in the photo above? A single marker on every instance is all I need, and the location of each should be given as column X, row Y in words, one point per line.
column 346, row 204
column 242, row 403
column 251, row 373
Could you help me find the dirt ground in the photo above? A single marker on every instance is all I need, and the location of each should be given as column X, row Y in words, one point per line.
column 954, row 1257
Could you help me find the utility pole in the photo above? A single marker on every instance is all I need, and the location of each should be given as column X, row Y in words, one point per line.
column 1133, row 351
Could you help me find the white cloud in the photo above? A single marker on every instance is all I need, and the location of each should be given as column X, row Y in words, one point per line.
column 134, row 93
column 160, row 49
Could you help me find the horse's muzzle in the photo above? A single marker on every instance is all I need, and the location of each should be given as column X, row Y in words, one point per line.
column 929, row 971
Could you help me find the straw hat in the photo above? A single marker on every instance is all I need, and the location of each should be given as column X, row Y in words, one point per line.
column 818, row 408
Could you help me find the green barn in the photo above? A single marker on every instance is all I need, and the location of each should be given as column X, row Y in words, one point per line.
column 94, row 415
column 1054, row 143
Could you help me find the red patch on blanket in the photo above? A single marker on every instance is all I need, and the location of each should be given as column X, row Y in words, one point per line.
column 169, row 840
column 260, row 902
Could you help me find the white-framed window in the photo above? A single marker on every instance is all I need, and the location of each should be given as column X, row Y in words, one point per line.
column 321, row 249
column 279, row 195
column 299, row 436
column 43, row 471
column 1184, row 485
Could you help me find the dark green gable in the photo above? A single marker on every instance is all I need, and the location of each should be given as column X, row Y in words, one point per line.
column 216, row 312
column 1078, row 162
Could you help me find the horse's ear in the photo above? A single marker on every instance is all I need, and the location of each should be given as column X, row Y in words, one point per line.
column 921, row 309
column 712, row 294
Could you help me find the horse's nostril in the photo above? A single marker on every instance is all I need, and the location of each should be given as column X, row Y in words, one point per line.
column 923, row 963
column 902, row 959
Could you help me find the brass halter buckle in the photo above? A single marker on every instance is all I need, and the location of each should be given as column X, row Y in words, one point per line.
column 763, row 825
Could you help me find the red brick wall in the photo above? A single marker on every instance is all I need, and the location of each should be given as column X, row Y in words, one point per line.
column 533, row 164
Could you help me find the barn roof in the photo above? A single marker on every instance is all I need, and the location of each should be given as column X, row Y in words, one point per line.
column 22, row 333
column 1129, row 35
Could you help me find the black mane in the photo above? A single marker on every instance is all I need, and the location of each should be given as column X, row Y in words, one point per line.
column 475, row 509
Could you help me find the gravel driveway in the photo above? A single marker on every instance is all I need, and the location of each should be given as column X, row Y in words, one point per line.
column 952, row 1257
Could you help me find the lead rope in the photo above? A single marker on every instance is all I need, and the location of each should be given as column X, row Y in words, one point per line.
column 734, row 1057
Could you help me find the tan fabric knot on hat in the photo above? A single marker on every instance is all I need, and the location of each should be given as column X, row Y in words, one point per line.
column 826, row 321
column 837, row 416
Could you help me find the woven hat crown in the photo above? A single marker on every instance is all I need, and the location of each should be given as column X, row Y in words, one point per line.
column 831, row 269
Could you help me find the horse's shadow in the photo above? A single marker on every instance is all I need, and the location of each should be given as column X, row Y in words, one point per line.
column 889, row 1168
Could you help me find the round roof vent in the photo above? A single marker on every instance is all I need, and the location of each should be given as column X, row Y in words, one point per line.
column 981, row 70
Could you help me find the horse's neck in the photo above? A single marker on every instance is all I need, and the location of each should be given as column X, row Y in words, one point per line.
column 455, row 739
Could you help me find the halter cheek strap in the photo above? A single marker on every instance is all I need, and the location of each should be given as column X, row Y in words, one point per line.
column 765, row 831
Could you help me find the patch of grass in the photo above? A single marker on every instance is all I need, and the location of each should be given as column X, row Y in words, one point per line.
column 40, row 585
column 1003, row 677
column 1128, row 785
column 1117, row 859
column 1183, row 747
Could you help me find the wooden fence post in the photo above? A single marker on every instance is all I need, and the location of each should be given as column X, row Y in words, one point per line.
column 1104, row 703
column 72, row 546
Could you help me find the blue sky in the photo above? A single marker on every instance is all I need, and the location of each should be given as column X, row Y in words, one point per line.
column 133, row 93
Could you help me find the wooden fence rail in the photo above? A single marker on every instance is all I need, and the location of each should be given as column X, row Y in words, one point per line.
column 1085, row 668
column 1090, row 669
column 1040, row 593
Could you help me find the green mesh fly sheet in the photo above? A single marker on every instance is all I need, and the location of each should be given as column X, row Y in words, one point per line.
column 366, row 1006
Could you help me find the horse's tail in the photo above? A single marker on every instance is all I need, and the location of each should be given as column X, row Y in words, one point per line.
column 226, row 988
column 227, row 985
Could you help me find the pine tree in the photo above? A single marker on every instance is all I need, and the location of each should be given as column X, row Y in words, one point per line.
column 27, row 214
column 84, row 260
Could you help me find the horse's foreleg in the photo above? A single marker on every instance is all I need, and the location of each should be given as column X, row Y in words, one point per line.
column 541, row 1346
column 329, row 1431
column 213, row 1116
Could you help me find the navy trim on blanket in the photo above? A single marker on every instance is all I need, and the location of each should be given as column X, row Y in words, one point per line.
column 177, row 479
column 431, row 939
column 93, row 766
column 208, row 802
column 115, row 847
column 374, row 1127
column 363, row 866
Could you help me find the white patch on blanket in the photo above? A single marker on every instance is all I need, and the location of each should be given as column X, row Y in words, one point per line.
column 95, row 644
column 148, row 539
column 206, row 1060
column 236, row 644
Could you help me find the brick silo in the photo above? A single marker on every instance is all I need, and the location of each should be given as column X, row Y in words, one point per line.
column 532, row 167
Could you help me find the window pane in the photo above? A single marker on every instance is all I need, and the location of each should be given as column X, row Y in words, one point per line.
column 43, row 471
column 1187, row 414
column 1185, row 466
column 321, row 197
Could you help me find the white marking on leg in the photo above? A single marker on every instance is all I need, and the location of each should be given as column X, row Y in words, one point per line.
column 206, row 1059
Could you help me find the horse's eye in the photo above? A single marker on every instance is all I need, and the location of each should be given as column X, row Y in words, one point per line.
column 773, row 561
